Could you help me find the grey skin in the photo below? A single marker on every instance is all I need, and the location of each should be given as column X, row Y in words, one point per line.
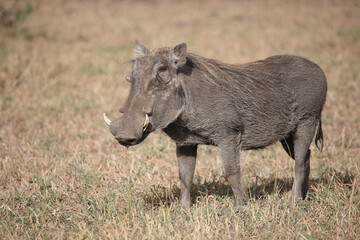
column 196, row 100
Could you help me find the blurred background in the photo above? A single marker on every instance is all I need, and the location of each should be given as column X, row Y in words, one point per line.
column 62, row 64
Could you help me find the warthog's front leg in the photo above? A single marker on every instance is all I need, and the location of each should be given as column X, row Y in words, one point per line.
column 186, row 156
column 231, row 160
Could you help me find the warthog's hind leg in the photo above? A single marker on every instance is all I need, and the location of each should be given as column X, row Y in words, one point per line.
column 302, row 140
column 231, row 160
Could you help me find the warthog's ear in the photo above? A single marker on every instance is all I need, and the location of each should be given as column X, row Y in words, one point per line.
column 141, row 50
column 178, row 55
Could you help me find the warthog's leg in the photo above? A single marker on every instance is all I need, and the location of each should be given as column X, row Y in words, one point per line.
column 288, row 145
column 231, row 160
column 302, row 140
column 186, row 156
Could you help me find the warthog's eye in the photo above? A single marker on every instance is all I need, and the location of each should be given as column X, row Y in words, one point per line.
column 162, row 69
column 163, row 74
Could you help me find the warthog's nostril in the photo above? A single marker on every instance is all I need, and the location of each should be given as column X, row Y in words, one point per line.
column 127, row 141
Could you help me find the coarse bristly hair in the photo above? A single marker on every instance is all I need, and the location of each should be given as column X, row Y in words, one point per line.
column 196, row 100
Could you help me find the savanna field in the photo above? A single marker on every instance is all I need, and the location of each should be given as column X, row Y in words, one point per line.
column 64, row 176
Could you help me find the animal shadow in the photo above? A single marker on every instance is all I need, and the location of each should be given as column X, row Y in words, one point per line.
column 163, row 196
column 257, row 189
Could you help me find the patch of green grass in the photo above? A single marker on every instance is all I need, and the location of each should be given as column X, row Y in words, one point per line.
column 353, row 33
column 14, row 12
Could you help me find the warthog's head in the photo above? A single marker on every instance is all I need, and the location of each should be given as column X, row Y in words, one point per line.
column 156, row 96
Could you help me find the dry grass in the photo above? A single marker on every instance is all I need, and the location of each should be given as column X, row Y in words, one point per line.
column 63, row 176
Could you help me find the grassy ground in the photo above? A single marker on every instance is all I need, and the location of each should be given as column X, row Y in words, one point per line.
column 62, row 175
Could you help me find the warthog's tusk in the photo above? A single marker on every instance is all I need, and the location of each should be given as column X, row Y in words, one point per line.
column 108, row 121
column 146, row 123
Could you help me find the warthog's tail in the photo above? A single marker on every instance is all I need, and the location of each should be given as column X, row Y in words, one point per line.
column 319, row 137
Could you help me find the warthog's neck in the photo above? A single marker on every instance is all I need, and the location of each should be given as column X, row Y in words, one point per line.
column 184, row 136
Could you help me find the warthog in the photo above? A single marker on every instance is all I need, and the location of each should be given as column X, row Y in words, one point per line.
column 196, row 100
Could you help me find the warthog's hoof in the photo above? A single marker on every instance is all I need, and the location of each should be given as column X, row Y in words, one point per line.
column 241, row 202
column 185, row 204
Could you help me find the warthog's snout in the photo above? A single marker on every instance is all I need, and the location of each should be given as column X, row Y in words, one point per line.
column 125, row 141
column 127, row 133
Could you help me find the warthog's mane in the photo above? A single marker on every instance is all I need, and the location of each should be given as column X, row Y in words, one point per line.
column 219, row 73
column 239, row 76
